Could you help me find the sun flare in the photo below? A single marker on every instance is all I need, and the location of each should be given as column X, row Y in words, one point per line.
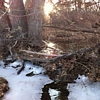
column 48, row 7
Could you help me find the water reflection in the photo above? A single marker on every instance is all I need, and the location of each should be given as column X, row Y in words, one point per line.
column 55, row 92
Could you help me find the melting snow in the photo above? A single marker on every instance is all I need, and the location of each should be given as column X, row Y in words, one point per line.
column 83, row 89
column 21, row 86
column 30, row 88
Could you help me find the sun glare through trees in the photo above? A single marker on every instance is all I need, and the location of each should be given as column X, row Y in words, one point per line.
column 48, row 7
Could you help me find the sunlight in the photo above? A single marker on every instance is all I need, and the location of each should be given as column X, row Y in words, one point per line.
column 50, row 44
column 55, row 1
column 48, row 7
column 6, row 3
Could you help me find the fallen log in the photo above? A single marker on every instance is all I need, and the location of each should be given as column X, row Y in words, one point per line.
column 67, row 56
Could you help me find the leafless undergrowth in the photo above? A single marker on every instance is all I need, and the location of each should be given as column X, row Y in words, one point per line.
column 76, row 32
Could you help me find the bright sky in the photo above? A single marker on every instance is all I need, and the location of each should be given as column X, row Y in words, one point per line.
column 48, row 7
column 8, row 1
column 54, row 1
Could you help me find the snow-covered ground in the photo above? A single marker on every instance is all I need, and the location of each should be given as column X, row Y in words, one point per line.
column 83, row 89
column 23, row 87
column 30, row 87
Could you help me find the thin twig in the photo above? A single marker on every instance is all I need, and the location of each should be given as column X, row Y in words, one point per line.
column 22, row 68
column 10, row 48
column 82, row 65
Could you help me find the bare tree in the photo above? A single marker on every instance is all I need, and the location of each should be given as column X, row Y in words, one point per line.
column 35, row 22
column 18, row 15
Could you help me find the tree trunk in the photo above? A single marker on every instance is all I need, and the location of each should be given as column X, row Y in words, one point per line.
column 18, row 16
column 35, row 22
column 4, row 18
column 28, row 6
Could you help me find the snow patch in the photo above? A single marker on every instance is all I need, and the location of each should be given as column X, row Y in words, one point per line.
column 84, row 89
column 21, row 86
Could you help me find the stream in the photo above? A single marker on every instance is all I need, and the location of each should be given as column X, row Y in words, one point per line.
column 55, row 91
